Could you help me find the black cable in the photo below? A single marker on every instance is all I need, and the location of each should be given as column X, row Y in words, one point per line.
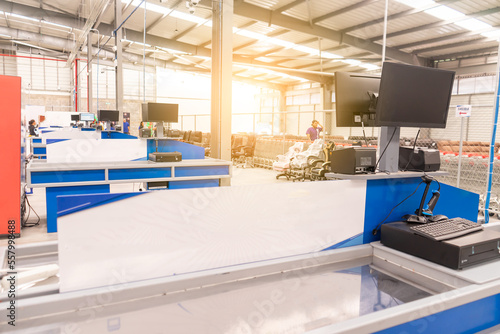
column 375, row 230
column 31, row 208
column 413, row 150
column 386, row 146
column 364, row 135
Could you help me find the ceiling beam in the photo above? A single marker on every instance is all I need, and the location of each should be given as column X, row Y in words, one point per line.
column 436, row 40
column 289, row 6
column 258, row 13
column 96, row 10
column 439, row 23
column 308, row 76
column 155, row 23
column 403, row 13
column 452, row 45
column 343, row 10
column 457, row 55
column 255, row 41
column 188, row 30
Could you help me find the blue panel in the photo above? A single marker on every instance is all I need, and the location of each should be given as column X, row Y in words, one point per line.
column 469, row 318
column 201, row 171
column 47, row 131
column 193, row 184
column 139, row 173
column 383, row 195
column 188, row 151
column 51, row 200
column 52, row 141
column 37, row 140
column 115, row 135
column 352, row 241
column 74, row 203
column 87, row 129
column 39, row 150
column 67, row 176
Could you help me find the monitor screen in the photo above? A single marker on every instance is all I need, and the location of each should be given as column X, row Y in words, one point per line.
column 86, row 116
column 414, row 96
column 75, row 118
column 354, row 99
column 160, row 112
column 108, row 115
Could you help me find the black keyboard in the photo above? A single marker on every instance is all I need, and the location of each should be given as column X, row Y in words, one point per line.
column 446, row 229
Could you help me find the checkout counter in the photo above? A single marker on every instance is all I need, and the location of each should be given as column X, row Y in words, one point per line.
column 249, row 259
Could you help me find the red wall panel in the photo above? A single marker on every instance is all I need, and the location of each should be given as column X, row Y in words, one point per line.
column 10, row 153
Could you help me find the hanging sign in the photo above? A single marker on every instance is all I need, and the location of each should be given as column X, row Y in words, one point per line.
column 464, row 110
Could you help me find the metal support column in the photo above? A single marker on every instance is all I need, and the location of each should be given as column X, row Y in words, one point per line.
column 90, row 59
column 119, row 60
column 221, row 79
column 78, row 86
column 388, row 147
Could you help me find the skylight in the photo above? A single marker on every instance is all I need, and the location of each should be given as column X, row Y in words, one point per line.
column 472, row 24
column 262, row 37
column 417, row 3
column 444, row 13
column 492, row 34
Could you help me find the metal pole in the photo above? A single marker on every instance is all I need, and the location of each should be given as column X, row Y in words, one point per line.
column 492, row 143
column 460, row 151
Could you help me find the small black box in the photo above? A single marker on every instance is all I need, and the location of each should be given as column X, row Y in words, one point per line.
column 165, row 156
column 421, row 159
column 353, row 160
column 456, row 253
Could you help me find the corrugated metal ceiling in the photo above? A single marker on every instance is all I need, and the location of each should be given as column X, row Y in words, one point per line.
column 286, row 33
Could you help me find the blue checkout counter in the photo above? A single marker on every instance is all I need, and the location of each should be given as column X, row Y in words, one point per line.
column 95, row 178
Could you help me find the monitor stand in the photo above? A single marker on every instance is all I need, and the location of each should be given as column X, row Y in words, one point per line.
column 159, row 129
column 389, row 161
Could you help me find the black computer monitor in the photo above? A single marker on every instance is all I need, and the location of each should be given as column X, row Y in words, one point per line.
column 108, row 115
column 355, row 99
column 86, row 116
column 160, row 112
column 414, row 96
column 75, row 118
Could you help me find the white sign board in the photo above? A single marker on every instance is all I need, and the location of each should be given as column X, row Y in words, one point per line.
column 464, row 110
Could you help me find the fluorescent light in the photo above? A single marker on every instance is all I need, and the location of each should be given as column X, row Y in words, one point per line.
column 330, row 55
column 351, row 62
column 55, row 24
column 306, row 49
column 281, row 42
column 492, row 34
column 23, row 17
column 150, row 6
column 473, row 24
column 417, row 3
column 251, row 34
column 444, row 13
column 187, row 17
column 369, row 67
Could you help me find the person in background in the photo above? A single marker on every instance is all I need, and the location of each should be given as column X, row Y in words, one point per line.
column 314, row 131
column 112, row 126
column 32, row 127
column 126, row 126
